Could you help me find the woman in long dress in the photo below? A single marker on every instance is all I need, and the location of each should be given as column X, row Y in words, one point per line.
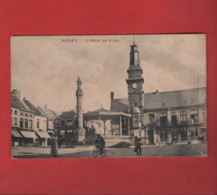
column 54, row 147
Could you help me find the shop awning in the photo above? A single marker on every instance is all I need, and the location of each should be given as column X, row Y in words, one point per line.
column 28, row 134
column 16, row 134
column 43, row 134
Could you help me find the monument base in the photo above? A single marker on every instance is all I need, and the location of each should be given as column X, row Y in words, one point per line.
column 81, row 135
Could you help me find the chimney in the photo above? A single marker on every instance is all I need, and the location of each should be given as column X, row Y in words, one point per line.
column 16, row 93
column 112, row 95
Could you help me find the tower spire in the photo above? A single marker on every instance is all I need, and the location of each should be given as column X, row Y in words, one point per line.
column 134, row 55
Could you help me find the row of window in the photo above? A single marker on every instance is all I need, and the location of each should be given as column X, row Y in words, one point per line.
column 63, row 132
column 21, row 113
column 194, row 116
column 24, row 123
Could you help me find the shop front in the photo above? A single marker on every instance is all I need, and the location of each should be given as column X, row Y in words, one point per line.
column 43, row 137
column 16, row 138
column 29, row 138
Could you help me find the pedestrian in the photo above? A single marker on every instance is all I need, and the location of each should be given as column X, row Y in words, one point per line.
column 158, row 141
column 100, row 143
column 54, row 146
column 175, row 139
column 60, row 142
column 137, row 144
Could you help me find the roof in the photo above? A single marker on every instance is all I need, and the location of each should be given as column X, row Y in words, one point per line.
column 47, row 112
column 104, row 112
column 134, row 67
column 32, row 107
column 167, row 99
column 18, row 103
column 136, row 110
column 67, row 114
column 99, row 111
column 118, row 105
column 179, row 98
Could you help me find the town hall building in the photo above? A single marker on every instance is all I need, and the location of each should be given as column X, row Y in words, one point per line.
column 160, row 117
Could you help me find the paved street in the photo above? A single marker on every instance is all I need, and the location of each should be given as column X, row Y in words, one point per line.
column 87, row 151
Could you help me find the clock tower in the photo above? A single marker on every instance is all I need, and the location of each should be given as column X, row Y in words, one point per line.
column 135, row 82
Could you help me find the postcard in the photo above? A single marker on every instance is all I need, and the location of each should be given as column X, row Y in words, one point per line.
column 108, row 96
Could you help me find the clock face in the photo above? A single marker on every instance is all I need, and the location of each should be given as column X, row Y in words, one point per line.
column 134, row 85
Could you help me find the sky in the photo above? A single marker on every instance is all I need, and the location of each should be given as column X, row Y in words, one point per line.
column 45, row 68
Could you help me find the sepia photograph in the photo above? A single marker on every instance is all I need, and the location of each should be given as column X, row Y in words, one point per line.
column 108, row 96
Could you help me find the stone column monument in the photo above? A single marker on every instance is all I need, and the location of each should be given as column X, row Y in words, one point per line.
column 79, row 95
